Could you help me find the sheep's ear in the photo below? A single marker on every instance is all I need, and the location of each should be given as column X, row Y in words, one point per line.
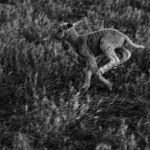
column 69, row 25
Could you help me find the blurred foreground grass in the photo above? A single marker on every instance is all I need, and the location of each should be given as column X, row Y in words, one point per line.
column 39, row 80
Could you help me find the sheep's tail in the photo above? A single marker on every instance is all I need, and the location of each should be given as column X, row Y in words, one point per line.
column 127, row 39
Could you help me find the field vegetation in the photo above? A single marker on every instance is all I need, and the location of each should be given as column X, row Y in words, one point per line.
column 39, row 79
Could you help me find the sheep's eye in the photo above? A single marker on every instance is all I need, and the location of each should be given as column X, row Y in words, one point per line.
column 69, row 25
column 60, row 30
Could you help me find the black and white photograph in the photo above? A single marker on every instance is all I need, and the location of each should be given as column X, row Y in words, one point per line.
column 74, row 74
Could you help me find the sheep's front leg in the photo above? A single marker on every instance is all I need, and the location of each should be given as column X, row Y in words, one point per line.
column 88, row 74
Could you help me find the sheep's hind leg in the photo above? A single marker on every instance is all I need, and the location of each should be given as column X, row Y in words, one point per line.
column 91, row 63
column 126, row 55
column 114, row 61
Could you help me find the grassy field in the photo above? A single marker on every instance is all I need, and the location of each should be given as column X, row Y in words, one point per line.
column 39, row 80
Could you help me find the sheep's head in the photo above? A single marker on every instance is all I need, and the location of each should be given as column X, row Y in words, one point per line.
column 61, row 33
column 64, row 28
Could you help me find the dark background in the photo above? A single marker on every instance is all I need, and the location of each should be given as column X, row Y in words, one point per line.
column 39, row 79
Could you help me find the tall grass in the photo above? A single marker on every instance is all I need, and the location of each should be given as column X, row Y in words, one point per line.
column 40, row 107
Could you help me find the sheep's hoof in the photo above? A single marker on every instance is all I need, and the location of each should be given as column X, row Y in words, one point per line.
column 85, row 87
column 109, row 85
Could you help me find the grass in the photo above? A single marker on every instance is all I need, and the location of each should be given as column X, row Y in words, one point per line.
column 40, row 81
